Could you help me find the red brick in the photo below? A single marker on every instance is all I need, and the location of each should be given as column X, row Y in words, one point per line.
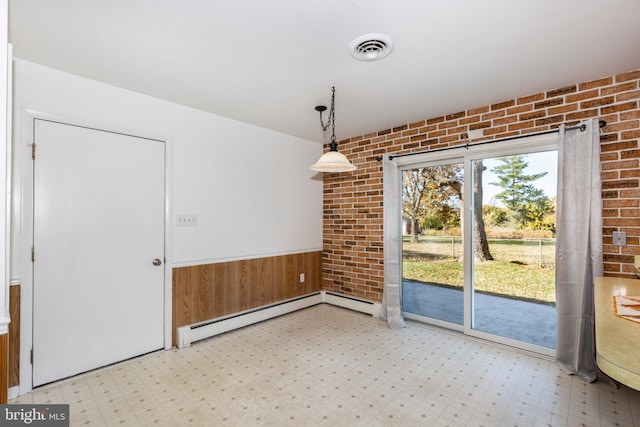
column 504, row 135
column 455, row 115
column 628, row 95
column 630, row 213
column 459, row 129
column 436, row 120
column 562, row 109
column 411, row 132
column 624, row 87
column 610, row 175
column 467, row 120
column 549, row 120
column 437, row 134
column 450, row 138
column 617, row 146
column 548, row 103
column 624, row 77
column 628, row 125
column 476, row 111
column 447, row 125
column 632, row 173
column 597, row 102
column 630, row 115
column 621, row 222
column 532, row 115
column 482, row 125
column 595, row 83
column 521, row 125
column 619, row 165
column 619, row 107
column 495, row 130
column 493, row 115
column 562, row 91
column 505, row 120
column 631, row 134
column 530, row 98
column 630, row 194
column 608, row 156
column 621, row 203
column 520, row 109
column 583, row 114
column 630, row 154
column 504, row 104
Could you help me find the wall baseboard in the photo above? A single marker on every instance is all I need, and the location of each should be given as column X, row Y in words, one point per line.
column 14, row 392
column 188, row 334
column 351, row 303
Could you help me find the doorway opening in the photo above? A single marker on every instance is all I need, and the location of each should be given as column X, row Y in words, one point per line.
column 123, row 147
column 478, row 243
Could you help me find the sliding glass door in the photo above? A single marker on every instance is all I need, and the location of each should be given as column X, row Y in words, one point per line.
column 433, row 277
column 513, row 247
column 478, row 244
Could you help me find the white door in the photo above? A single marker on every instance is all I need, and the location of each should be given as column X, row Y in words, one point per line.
column 98, row 295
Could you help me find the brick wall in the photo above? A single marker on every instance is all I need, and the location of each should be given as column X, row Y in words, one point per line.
column 353, row 209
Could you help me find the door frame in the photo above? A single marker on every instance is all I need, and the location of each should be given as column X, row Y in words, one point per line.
column 25, row 201
column 466, row 154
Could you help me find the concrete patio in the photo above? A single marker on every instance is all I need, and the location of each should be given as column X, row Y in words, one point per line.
column 507, row 317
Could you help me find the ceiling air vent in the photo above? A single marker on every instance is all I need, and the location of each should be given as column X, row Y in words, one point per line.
column 371, row 47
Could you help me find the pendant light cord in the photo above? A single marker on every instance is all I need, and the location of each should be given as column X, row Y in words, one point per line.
column 331, row 120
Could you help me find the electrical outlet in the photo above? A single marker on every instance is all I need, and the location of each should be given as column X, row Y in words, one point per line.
column 619, row 238
column 301, row 277
column 187, row 220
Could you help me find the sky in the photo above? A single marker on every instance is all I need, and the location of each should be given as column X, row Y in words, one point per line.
column 538, row 163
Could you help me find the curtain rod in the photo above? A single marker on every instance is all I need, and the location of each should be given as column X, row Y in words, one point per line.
column 582, row 127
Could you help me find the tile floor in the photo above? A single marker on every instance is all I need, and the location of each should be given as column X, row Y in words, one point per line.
column 328, row 366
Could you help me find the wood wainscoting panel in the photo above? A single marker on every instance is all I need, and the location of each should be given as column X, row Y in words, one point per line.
column 4, row 368
column 208, row 291
column 14, row 335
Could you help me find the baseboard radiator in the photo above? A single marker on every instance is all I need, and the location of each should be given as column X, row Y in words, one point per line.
column 186, row 335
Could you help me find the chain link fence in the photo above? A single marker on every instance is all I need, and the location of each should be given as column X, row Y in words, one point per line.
column 530, row 251
column 540, row 251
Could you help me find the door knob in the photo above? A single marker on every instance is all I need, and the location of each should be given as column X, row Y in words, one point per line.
column 157, row 262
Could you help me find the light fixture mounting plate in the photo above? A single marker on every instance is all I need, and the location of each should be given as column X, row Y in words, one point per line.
column 321, row 108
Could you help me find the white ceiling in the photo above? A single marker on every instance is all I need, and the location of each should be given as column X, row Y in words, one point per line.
column 271, row 62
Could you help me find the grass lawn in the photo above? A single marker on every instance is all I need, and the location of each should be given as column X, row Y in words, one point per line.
column 505, row 276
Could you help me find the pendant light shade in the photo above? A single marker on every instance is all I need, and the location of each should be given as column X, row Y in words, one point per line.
column 332, row 160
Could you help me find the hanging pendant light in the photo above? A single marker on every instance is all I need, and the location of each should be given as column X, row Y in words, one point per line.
column 332, row 160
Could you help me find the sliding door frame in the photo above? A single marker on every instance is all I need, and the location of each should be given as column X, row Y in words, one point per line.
column 466, row 155
column 439, row 159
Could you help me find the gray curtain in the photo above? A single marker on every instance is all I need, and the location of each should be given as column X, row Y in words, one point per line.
column 578, row 247
column 391, row 309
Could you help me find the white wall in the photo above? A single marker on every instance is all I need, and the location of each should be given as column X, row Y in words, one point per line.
column 5, row 151
column 250, row 187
